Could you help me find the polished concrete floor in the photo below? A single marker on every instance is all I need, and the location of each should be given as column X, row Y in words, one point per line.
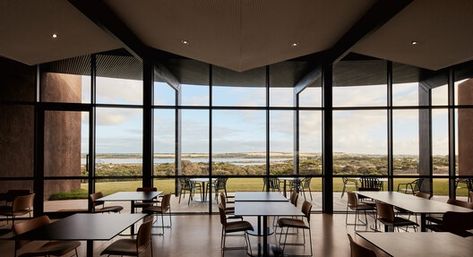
column 199, row 235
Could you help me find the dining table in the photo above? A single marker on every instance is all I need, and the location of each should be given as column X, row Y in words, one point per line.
column 287, row 180
column 413, row 204
column 87, row 227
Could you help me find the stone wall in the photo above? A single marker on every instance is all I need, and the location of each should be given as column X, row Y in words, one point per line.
column 465, row 129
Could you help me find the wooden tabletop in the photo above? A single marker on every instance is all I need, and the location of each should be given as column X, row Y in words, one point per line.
column 266, row 209
column 412, row 203
column 131, row 196
column 201, row 179
column 420, row 244
column 84, row 226
column 260, row 197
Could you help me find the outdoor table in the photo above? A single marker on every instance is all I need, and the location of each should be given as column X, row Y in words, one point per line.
column 439, row 244
column 84, row 226
column 262, row 210
column 260, row 197
column 414, row 204
column 203, row 181
column 285, row 180
column 131, row 197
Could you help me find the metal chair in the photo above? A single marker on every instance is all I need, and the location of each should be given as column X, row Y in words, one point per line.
column 411, row 187
column 298, row 224
column 304, row 186
column 233, row 227
column 357, row 250
column 21, row 205
column 457, row 223
column 132, row 247
column 94, row 202
column 165, row 207
column 346, row 183
column 272, row 184
column 385, row 215
column 146, row 203
column 51, row 248
column 355, row 205
column 186, row 185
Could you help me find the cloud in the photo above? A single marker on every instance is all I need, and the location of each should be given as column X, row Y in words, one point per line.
column 116, row 116
column 119, row 91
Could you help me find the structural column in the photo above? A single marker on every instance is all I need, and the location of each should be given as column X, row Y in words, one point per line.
column 327, row 139
column 148, row 153
column 425, row 137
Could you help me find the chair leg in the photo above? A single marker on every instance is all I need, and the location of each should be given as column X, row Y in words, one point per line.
column 162, row 220
column 310, row 192
column 310, row 241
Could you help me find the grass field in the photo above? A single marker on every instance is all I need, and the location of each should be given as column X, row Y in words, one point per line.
column 440, row 186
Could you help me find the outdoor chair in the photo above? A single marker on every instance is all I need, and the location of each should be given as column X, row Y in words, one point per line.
column 229, row 227
column 411, row 187
column 385, row 215
column 357, row 206
column 272, row 184
column 357, row 250
column 51, row 248
column 371, row 183
column 186, row 185
column 21, row 205
column 94, row 202
column 349, row 182
column 220, row 184
column 164, row 208
column 147, row 203
column 304, row 185
column 132, row 247
column 297, row 224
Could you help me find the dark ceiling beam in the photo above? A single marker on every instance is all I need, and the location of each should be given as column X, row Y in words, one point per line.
column 101, row 14
column 379, row 13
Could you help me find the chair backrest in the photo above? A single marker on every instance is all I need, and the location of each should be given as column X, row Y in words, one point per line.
column 166, row 202
column 423, row 195
column 306, row 209
column 23, row 203
column 274, row 183
column 223, row 200
column 294, row 197
column 358, row 250
column 13, row 193
column 223, row 216
column 385, row 211
column 457, row 221
column 221, row 183
column 460, row 203
column 28, row 225
column 471, row 196
column 368, row 182
column 146, row 189
column 352, row 200
column 418, row 184
column 184, row 183
column 144, row 237
column 306, row 182
column 93, row 199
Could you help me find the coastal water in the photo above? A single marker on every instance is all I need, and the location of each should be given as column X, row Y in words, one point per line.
column 235, row 161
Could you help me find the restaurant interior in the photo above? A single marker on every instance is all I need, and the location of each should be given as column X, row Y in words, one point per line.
column 236, row 128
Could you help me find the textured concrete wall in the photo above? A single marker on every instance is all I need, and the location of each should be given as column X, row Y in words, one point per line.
column 465, row 129
column 17, row 83
column 62, row 132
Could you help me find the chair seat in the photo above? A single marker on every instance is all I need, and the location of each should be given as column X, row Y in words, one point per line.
column 292, row 223
column 363, row 207
column 143, row 204
column 398, row 222
column 121, row 247
column 236, row 226
column 438, row 219
column 440, row 228
column 154, row 209
column 54, row 248
column 110, row 209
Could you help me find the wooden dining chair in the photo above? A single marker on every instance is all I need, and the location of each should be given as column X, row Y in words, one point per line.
column 357, row 250
column 132, row 247
column 146, row 203
column 229, row 227
column 22, row 205
column 51, row 248
column 163, row 208
column 229, row 210
column 457, row 223
column 94, row 202
column 298, row 224
column 354, row 204
column 385, row 215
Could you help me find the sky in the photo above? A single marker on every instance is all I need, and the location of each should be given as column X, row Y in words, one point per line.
column 119, row 130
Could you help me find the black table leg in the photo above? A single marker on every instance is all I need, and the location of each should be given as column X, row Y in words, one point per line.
column 259, row 235
column 265, row 236
column 132, row 228
column 90, row 248
column 423, row 222
column 285, row 191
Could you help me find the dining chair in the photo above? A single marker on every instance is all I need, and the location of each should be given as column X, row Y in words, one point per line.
column 186, row 185
column 21, row 205
column 146, row 203
column 233, row 227
column 304, row 186
column 163, row 208
column 411, row 187
column 357, row 250
column 438, row 218
column 220, row 184
column 94, row 202
column 348, row 182
column 385, row 215
column 298, row 224
column 51, row 248
column 229, row 210
column 132, row 247
column 272, row 184
column 457, row 223
column 354, row 204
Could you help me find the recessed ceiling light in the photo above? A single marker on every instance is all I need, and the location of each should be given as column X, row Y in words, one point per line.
column 414, row 42
column 54, row 35
column 185, row 42
column 294, row 44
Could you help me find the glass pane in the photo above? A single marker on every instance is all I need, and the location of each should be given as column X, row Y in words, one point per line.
column 66, row 143
column 119, row 80
column 360, row 142
column 464, row 142
column 310, row 142
column 440, row 141
column 119, row 142
column 195, row 142
column 281, row 142
column 464, row 85
column 194, row 95
column 406, row 142
column 232, row 88
column 16, row 140
column 283, row 77
column 164, row 142
column 63, row 195
column 360, row 83
column 239, row 142
column 110, row 186
column 164, row 94
column 311, row 96
column 405, row 85
column 440, row 95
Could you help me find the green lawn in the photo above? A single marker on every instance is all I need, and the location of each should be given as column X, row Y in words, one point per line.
column 234, row 184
